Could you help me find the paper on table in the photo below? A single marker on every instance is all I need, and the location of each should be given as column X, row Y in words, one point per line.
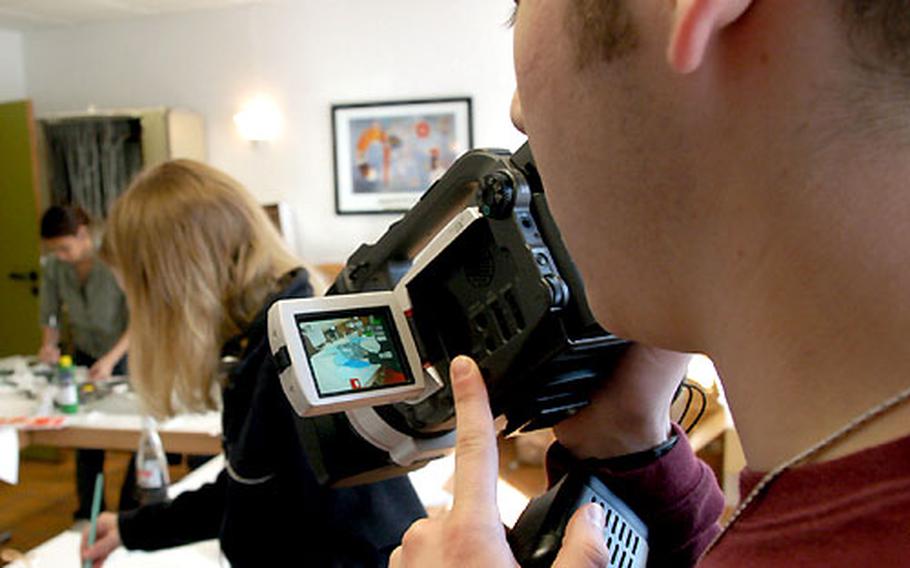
column 9, row 455
column 62, row 551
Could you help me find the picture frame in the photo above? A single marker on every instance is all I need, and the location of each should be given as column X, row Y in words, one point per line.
column 387, row 154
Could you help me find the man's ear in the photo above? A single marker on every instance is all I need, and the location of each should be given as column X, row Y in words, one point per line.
column 695, row 23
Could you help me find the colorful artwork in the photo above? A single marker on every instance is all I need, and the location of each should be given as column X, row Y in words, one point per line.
column 387, row 155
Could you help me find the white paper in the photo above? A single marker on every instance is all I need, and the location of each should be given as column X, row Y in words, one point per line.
column 62, row 551
column 9, row 455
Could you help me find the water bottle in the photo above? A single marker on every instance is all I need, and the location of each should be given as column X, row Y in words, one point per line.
column 67, row 392
column 152, row 476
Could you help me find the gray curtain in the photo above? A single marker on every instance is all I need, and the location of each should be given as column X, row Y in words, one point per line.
column 92, row 160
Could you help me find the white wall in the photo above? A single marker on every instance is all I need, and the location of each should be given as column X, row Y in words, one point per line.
column 307, row 54
column 12, row 73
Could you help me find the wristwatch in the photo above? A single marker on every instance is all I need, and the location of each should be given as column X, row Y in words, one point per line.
column 625, row 462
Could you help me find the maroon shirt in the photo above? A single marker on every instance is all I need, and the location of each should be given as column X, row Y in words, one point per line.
column 853, row 511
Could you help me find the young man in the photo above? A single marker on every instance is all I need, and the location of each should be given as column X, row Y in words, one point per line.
column 97, row 315
column 731, row 177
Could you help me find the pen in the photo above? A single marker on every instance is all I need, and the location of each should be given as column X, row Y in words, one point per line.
column 96, row 506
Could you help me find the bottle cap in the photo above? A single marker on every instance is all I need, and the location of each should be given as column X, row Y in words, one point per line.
column 66, row 361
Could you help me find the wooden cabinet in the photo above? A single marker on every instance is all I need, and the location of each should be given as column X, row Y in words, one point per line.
column 171, row 133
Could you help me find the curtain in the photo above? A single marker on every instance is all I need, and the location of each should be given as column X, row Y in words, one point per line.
column 92, row 160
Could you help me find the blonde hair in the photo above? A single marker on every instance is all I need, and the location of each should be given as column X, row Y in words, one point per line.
column 197, row 258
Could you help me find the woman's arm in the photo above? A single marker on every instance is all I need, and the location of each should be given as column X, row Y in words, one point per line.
column 104, row 367
column 50, row 308
column 50, row 351
column 191, row 517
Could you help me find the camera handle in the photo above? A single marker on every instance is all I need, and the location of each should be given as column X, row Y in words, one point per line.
column 537, row 535
column 403, row 449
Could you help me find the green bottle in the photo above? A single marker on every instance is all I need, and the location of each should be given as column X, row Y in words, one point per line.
column 67, row 392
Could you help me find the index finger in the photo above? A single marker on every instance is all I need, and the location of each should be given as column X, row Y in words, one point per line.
column 476, row 458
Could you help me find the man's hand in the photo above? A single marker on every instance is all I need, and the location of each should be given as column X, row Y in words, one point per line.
column 630, row 412
column 102, row 369
column 49, row 353
column 107, row 539
column 472, row 534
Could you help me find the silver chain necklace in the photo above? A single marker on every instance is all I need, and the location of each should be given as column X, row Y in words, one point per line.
column 772, row 475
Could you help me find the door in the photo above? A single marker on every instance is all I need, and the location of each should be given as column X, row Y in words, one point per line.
column 19, row 240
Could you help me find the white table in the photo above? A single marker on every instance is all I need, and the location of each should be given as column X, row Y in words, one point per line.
column 110, row 423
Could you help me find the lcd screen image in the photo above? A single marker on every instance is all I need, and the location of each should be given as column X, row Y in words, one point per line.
column 354, row 353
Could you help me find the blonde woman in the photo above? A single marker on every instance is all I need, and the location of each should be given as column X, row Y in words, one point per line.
column 200, row 264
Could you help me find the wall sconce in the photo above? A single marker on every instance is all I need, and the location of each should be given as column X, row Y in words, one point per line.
column 259, row 120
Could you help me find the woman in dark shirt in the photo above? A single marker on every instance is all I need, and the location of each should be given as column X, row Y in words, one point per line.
column 201, row 264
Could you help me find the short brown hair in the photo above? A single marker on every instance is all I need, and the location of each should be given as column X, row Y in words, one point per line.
column 604, row 28
column 63, row 221
column 879, row 32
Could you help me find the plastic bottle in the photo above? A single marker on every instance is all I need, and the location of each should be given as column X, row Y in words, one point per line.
column 67, row 392
column 152, row 476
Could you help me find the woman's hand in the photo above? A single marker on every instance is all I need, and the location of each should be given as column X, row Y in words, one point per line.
column 102, row 369
column 107, row 539
column 472, row 534
column 630, row 412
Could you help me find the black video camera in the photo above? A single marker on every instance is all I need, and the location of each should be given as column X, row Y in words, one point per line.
column 476, row 267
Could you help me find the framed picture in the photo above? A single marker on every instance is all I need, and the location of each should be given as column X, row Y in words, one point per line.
column 387, row 154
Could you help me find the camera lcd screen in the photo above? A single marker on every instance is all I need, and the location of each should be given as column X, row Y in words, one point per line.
column 353, row 351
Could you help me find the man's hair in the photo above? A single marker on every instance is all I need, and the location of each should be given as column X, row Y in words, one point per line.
column 879, row 32
column 604, row 29
column 65, row 221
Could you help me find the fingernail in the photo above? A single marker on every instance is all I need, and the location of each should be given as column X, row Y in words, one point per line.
column 461, row 368
column 596, row 515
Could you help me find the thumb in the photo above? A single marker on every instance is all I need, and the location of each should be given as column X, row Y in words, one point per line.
column 583, row 544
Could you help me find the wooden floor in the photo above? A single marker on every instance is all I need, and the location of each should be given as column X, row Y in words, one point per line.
column 42, row 505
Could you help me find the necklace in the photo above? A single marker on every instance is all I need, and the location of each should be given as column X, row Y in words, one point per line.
column 772, row 475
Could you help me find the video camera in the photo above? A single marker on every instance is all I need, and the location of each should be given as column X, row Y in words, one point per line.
column 476, row 267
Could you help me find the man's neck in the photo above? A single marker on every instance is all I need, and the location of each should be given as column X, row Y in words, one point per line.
column 779, row 414
column 814, row 332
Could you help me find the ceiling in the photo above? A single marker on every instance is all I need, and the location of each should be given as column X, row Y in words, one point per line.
column 31, row 14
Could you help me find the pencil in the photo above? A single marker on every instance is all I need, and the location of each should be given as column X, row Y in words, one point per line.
column 96, row 508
